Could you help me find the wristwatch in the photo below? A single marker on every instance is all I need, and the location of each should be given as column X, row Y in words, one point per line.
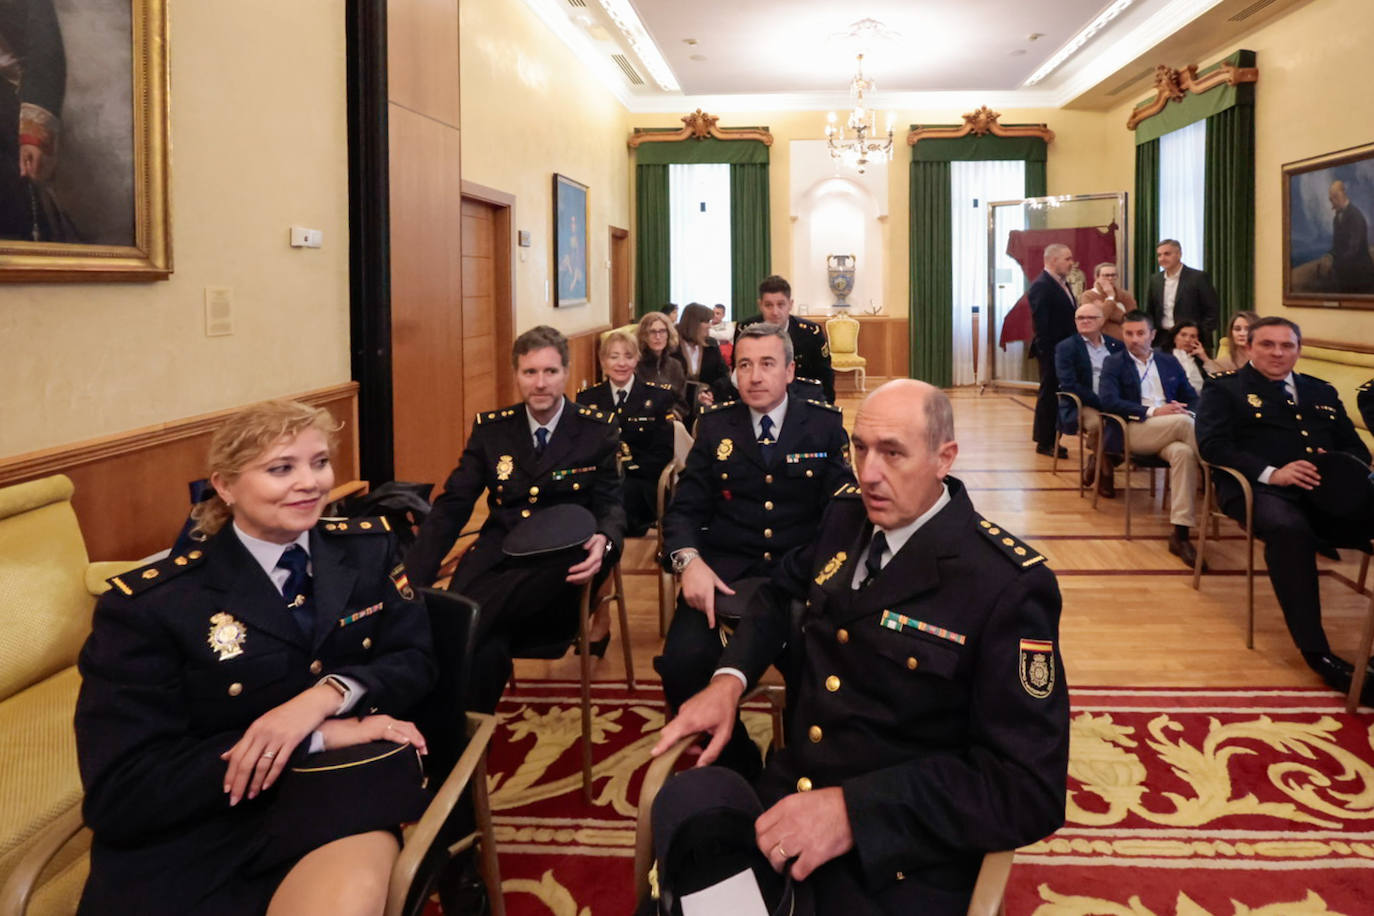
column 681, row 558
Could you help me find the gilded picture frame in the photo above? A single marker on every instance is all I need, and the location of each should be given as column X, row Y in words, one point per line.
column 92, row 178
column 1328, row 201
column 571, row 257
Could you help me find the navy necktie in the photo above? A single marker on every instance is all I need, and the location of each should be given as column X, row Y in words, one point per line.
column 1282, row 385
column 297, row 589
column 874, row 563
column 620, row 397
column 766, row 440
column 541, row 441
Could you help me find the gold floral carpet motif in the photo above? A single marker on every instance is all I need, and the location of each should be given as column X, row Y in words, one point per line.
column 1214, row 802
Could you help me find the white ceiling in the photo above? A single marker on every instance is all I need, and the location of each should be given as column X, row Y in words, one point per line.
column 778, row 55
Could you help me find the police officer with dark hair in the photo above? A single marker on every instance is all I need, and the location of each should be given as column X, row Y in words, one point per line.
column 1285, row 432
column 546, row 451
column 811, row 349
column 927, row 713
column 757, row 480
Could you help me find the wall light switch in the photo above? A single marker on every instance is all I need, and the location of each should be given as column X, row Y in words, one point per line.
column 219, row 311
column 301, row 237
column 523, row 238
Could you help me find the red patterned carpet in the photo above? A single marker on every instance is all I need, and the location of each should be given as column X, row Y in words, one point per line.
column 1182, row 802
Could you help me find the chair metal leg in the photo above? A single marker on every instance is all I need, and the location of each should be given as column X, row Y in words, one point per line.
column 585, row 663
column 1082, row 460
column 1352, row 701
column 619, row 599
column 1129, row 467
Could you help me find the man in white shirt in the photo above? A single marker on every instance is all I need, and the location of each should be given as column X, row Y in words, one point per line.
column 1149, row 388
column 1181, row 293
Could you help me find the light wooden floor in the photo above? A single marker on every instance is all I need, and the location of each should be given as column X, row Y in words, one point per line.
column 1131, row 617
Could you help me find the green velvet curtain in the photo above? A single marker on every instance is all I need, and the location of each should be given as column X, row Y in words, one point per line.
column 1037, row 185
column 1228, row 210
column 931, row 273
column 652, row 242
column 750, row 247
column 1146, row 233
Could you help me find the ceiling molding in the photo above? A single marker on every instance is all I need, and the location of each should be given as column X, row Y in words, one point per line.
column 841, row 100
column 1108, row 60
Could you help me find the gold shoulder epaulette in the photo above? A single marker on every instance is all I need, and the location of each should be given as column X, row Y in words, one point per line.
column 1367, row 385
column 822, row 404
column 712, row 408
column 372, row 524
column 847, row 491
column 1016, row 550
column 593, row 413
column 809, row 381
column 502, row 414
column 664, row 385
column 588, row 387
column 137, row 581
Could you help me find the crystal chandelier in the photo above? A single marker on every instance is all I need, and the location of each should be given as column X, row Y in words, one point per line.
column 864, row 146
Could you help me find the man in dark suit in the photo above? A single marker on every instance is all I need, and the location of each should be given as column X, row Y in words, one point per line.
column 1181, row 293
column 1150, row 389
column 927, row 709
column 1078, row 368
column 809, row 345
column 1349, row 257
column 1274, row 425
column 1365, row 401
column 757, row 480
column 1052, row 307
column 546, row 451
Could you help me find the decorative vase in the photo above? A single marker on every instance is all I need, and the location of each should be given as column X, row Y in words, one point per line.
column 840, row 268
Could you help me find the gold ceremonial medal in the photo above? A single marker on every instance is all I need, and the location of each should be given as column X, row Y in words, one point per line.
column 724, row 449
column 1254, row 400
column 504, row 465
column 832, row 566
column 226, row 636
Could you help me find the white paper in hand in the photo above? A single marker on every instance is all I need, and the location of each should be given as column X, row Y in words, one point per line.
column 738, row 896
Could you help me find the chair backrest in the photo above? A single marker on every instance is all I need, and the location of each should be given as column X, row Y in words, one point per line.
column 682, row 444
column 45, row 609
column 843, row 332
column 453, row 623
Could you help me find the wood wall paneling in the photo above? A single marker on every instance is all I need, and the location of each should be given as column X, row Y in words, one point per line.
column 584, row 368
column 426, row 296
column 884, row 342
column 498, row 207
column 621, row 307
column 422, row 57
column 131, row 488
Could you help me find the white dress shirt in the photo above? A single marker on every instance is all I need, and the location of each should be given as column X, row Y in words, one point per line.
column 1190, row 368
column 615, row 393
column 692, row 353
column 1097, row 355
column 1151, row 388
column 1170, row 296
column 897, row 537
column 777, row 414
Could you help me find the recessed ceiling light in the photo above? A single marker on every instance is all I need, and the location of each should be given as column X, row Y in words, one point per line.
column 1076, row 43
column 689, row 41
column 1017, row 53
column 698, row 57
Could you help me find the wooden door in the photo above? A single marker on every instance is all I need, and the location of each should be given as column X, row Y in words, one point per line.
column 482, row 359
column 621, row 313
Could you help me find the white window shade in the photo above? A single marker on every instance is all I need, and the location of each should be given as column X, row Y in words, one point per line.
column 972, row 186
column 699, row 233
column 1182, row 155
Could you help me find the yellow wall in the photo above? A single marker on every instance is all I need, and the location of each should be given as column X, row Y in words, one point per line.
column 1076, row 166
column 259, row 143
column 531, row 109
column 1313, row 97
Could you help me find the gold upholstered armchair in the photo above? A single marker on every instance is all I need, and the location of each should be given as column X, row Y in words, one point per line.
column 843, row 333
column 47, row 594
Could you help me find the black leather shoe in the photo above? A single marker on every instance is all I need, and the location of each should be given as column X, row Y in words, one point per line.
column 1335, row 670
column 1330, row 553
column 1183, row 549
column 1048, row 451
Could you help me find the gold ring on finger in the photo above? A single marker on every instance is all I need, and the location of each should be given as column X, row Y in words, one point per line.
column 269, row 754
column 782, row 852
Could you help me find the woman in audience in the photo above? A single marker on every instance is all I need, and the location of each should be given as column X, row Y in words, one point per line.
column 1192, row 355
column 657, row 341
column 209, row 673
column 1239, row 338
column 699, row 354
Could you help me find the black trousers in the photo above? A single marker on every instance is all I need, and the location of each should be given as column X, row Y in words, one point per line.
column 691, row 653
column 1046, row 403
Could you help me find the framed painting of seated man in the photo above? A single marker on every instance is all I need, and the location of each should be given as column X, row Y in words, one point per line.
column 1327, row 203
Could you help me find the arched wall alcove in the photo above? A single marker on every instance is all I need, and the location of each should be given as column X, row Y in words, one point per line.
column 835, row 210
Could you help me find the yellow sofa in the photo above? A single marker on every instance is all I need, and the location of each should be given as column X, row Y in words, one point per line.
column 47, row 595
column 1347, row 370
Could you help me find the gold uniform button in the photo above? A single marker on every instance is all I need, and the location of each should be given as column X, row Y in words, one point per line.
column 235, row 689
column 367, row 642
column 331, row 527
column 911, row 663
column 1303, row 431
column 803, row 785
column 768, row 503
column 1296, row 416
column 724, row 476
column 316, row 666
column 534, row 499
column 832, row 683
column 842, row 636
column 524, row 513
column 577, row 486
column 810, row 473
column 901, row 877
column 814, row 733
column 1258, row 415
column 1309, row 450
column 767, row 478
column 152, row 573
column 534, row 491
column 182, row 561
column 768, row 532
column 364, row 525
column 767, row 557
column 195, row 555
